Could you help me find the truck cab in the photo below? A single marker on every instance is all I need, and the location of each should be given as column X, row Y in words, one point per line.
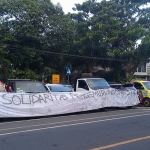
column 90, row 84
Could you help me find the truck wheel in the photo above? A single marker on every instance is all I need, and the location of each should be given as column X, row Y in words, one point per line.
column 146, row 102
column 129, row 107
column 102, row 109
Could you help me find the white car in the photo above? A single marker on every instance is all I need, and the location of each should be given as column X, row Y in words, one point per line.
column 58, row 88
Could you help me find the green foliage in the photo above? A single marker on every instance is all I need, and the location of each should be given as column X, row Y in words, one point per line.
column 106, row 29
column 33, row 27
column 111, row 29
column 24, row 74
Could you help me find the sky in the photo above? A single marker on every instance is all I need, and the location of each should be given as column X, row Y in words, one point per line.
column 68, row 4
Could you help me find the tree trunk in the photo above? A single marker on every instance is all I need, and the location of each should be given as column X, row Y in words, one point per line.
column 62, row 76
column 89, row 65
column 117, row 72
column 130, row 70
column 5, row 72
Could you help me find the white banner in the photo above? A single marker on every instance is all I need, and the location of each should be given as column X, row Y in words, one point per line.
column 43, row 104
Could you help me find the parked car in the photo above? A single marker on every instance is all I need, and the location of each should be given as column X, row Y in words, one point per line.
column 69, row 85
column 112, row 82
column 128, row 86
column 58, row 88
column 115, row 85
column 25, row 85
column 144, row 88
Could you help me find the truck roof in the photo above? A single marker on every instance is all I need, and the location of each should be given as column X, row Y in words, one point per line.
column 140, row 81
column 89, row 78
column 19, row 80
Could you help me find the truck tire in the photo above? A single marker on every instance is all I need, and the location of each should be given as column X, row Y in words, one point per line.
column 102, row 109
column 129, row 107
column 146, row 102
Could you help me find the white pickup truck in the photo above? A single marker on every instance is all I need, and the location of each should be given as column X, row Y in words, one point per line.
column 89, row 84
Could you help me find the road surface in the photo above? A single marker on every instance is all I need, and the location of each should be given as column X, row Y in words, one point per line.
column 112, row 129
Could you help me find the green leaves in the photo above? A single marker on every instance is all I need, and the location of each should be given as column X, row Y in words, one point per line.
column 112, row 30
column 108, row 30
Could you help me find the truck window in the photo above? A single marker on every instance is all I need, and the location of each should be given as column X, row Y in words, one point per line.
column 147, row 84
column 138, row 85
column 30, row 87
column 10, row 87
column 97, row 83
column 82, row 84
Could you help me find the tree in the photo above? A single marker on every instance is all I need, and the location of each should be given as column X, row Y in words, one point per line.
column 59, row 41
column 113, row 28
column 35, row 26
column 37, row 35
column 85, row 44
column 132, row 28
column 4, row 60
column 23, row 20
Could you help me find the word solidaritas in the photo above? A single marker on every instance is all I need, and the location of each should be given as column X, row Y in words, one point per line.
column 30, row 99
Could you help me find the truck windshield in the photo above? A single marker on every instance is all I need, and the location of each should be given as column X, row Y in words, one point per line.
column 147, row 85
column 30, row 87
column 96, row 84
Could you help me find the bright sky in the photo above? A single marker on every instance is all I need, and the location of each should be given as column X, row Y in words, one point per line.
column 68, row 4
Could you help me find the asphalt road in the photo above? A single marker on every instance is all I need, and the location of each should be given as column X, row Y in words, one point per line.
column 112, row 129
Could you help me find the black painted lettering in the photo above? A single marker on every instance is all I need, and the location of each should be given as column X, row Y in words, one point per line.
column 74, row 96
column 63, row 97
column 84, row 96
column 42, row 99
column 55, row 96
column 113, row 92
column 48, row 97
column 7, row 100
column 25, row 100
column 16, row 100
column 35, row 99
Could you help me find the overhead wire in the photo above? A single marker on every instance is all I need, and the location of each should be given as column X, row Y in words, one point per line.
column 72, row 55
